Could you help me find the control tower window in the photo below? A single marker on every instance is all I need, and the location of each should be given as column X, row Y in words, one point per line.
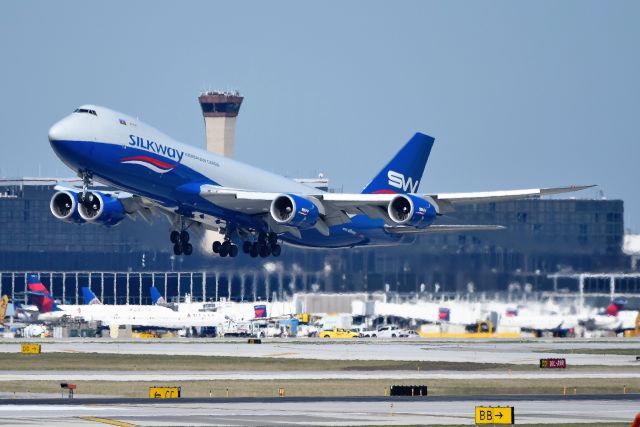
column 84, row 110
column 221, row 107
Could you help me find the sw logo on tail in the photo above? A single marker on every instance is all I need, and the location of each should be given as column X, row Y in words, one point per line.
column 396, row 179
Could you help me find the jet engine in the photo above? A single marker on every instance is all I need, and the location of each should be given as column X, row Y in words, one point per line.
column 64, row 206
column 405, row 209
column 296, row 211
column 101, row 208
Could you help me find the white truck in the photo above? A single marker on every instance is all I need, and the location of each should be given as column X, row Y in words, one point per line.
column 232, row 328
column 263, row 329
column 389, row 331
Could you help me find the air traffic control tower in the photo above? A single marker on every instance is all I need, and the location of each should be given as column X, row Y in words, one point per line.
column 220, row 110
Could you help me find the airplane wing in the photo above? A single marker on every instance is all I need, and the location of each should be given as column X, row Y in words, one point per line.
column 447, row 201
column 336, row 208
column 333, row 208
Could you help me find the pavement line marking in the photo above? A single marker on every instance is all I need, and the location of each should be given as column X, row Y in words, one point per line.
column 108, row 421
column 279, row 354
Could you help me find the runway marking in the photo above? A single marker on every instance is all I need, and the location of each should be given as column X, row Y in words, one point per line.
column 108, row 421
column 280, row 354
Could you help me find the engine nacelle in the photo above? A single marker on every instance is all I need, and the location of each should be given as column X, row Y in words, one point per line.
column 64, row 206
column 101, row 208
column 296, row 211
column 405, row 209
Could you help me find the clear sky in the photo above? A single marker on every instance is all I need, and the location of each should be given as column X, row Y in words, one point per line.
column 517, row 94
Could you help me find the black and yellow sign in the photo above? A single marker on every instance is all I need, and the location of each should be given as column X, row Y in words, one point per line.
column 31, row 348
column 553, row 363
column 164, row 392
column 494, row 415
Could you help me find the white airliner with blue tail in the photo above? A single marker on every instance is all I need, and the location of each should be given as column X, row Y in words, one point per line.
column 252, row 208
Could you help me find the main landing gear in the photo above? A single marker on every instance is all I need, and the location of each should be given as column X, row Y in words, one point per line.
column 267, row 244
column 180, row 240
column 225, row 248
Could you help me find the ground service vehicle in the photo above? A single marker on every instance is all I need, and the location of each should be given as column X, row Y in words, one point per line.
column 390, row 331
column 339, row 333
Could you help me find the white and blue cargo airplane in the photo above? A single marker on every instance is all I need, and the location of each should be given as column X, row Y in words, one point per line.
column 155, row 174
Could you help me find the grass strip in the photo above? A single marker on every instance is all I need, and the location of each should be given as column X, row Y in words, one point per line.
column 158, row 362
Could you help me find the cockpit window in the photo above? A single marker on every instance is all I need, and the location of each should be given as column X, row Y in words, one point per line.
column 84, row 110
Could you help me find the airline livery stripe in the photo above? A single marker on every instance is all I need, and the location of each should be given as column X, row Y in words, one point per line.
column 155, row 162
column 384, row 192
column 147, row 165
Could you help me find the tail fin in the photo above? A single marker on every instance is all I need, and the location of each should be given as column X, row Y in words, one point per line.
column 39, row 295
column 156, row 298
column 260, row 311
column 404, row 172
column 4, row 303
column 33, row 279
column 89, row 297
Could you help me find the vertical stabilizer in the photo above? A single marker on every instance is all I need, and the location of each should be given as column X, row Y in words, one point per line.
column 404, row 172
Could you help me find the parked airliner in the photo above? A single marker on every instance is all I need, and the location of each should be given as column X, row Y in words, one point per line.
column 154, row 174
column 148, row 316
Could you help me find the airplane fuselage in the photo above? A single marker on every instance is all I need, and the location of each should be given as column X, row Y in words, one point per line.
column 125, row 153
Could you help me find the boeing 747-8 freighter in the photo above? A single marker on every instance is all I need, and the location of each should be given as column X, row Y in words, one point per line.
column 250, row 207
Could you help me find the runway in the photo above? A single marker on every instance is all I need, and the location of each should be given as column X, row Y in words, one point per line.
column 519, row 352
column 524, row 355
column 122, row 376
column 318, row 411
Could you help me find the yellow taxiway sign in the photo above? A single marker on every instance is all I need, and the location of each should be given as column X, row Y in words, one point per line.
column 494, row 415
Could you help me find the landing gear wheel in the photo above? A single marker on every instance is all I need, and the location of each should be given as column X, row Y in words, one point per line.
column 246, row 247
column 272, row 238
column 177, row 249
column 262, row 238
column 216, row 247
column 187, row 249
column 254, row 250
column 224, row 249
column 276, row 250
column 174, row 237
column 184, row 237
column 233, row 251
column 264, row 251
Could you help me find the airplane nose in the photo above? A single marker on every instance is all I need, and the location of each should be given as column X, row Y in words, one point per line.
column 58, row 131
column 64, row 139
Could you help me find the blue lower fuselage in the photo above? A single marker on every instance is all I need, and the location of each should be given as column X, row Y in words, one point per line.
column 178, row 189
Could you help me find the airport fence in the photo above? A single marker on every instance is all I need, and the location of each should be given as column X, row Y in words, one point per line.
column 134, row 287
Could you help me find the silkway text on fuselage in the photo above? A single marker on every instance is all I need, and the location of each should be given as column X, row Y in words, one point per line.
column 155, row 147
